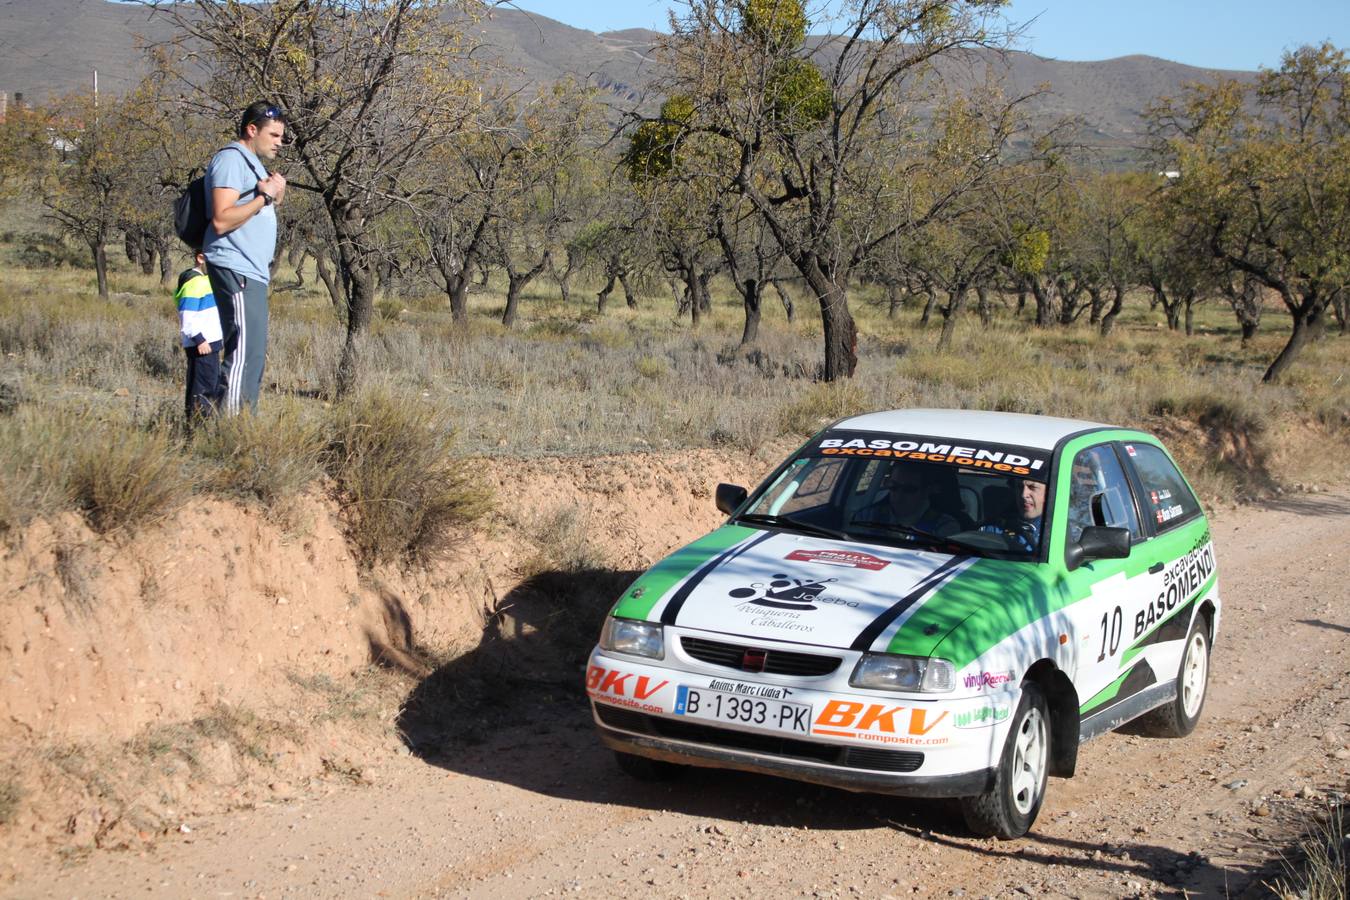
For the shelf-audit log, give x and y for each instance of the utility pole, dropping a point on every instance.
(96, 89)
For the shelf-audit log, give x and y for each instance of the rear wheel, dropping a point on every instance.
(1179, 717)
(644, 769)
(1008, 809)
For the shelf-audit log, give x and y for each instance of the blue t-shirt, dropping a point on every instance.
(249, 248)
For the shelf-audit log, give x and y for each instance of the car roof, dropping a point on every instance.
(1042, 432)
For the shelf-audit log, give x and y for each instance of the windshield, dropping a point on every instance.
(908, 490)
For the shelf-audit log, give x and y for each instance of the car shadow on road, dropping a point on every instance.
(1185, 874)
(513, 710)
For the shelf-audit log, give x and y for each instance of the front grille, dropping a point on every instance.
(767, 744)
(776, 662)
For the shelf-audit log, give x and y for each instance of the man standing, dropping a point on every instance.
(240, 240)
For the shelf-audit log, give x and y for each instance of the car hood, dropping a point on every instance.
(777, 586)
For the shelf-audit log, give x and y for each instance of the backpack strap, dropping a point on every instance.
(247, 161)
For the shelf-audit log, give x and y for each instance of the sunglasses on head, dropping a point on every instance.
(271, 112)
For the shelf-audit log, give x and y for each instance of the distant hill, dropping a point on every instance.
(51, 46)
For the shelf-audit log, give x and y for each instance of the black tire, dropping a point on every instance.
(1008, 809)
(1179, 717)
(644, 769)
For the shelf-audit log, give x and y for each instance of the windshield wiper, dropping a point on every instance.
(910, 530)
(792, 524)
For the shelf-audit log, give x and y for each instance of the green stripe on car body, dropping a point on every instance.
(1105, 694)
(642, 595)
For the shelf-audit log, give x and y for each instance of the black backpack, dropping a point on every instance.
(189, 210)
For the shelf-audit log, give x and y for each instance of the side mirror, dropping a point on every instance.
(1098, 542)
(730, 497)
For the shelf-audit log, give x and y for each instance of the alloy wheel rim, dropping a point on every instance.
(1193, 676)
(1028, 762)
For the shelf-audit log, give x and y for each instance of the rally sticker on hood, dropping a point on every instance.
(771, 587)
(1021, 461)
(850, 558)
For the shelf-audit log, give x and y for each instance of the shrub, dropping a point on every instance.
(267, 457)
(120, 476)
(157, 357)
(1323, 868)
(34, 461)
(391, 457)
(564, 541)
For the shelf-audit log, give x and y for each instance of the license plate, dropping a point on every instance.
(721, 706)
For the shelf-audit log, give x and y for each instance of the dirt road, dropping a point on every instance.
(540, 809)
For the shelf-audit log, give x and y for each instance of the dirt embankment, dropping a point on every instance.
(190, 665)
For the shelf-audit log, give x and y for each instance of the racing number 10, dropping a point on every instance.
(1116, 623)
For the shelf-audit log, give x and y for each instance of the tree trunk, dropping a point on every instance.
(784, 296)
(326, 276)
(629, 297)
(983, 305)
(359, 279)
(166, 275)
(705, 295)
(928, 305)
(1098, 304)
(956, 299)
(1189, 303)
(457, 288)
(841, 334)
(99, 249)
(1303, 322)
(752, 294)
(604, 293)
(894, 299)
(1117, 304)
(515, 284)
(1045, 302)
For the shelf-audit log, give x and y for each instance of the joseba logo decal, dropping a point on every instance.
(783, 592)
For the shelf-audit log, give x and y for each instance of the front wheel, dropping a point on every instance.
(1179, 717)
(1008, 809)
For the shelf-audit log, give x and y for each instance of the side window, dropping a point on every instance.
(1167, 499)
(806, 484)
(1099, 493)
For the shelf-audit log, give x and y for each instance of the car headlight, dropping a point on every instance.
(633, 637)
(888, 672)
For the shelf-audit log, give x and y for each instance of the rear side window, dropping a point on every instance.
(1167, 500)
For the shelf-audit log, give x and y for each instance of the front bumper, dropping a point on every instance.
(858, 740)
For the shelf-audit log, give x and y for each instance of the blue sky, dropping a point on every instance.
(1236, 34)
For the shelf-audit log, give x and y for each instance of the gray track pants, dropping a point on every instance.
(242, 302)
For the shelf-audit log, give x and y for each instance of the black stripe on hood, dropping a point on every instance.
(883, 621)
(677, 601)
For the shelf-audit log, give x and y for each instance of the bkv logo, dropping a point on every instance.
(783, 592)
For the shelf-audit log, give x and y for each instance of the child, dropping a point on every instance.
(199, 327)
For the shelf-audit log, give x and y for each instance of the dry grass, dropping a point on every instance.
(268, 457)
(1320, 869)
(402, 488)
(567, 381)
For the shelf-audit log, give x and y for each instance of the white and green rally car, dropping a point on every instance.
(929, 603)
